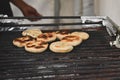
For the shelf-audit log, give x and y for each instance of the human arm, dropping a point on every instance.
(26, 9)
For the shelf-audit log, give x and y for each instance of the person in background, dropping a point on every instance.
(27, 10)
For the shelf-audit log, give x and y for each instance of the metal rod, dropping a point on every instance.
(43, 17)
(51, 24)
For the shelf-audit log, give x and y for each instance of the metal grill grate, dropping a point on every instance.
(93, 59)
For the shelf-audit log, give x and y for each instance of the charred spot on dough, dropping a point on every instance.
(62, 32)
(29, 46)
(40, 46)
(23, 39)
(50, 35)
(43, 36)
(71, 38)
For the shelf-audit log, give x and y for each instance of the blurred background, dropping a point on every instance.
(108, 8)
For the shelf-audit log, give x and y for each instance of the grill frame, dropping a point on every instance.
(86, 61)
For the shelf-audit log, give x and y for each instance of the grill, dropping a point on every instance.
(94, 59)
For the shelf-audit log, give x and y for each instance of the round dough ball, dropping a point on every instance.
(36, 46)
(32, 32)
(21, 41)
(60, 47)
(47, 37)
(72, 40)
(82, 35)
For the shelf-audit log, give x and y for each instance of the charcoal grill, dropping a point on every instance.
(94, 59)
